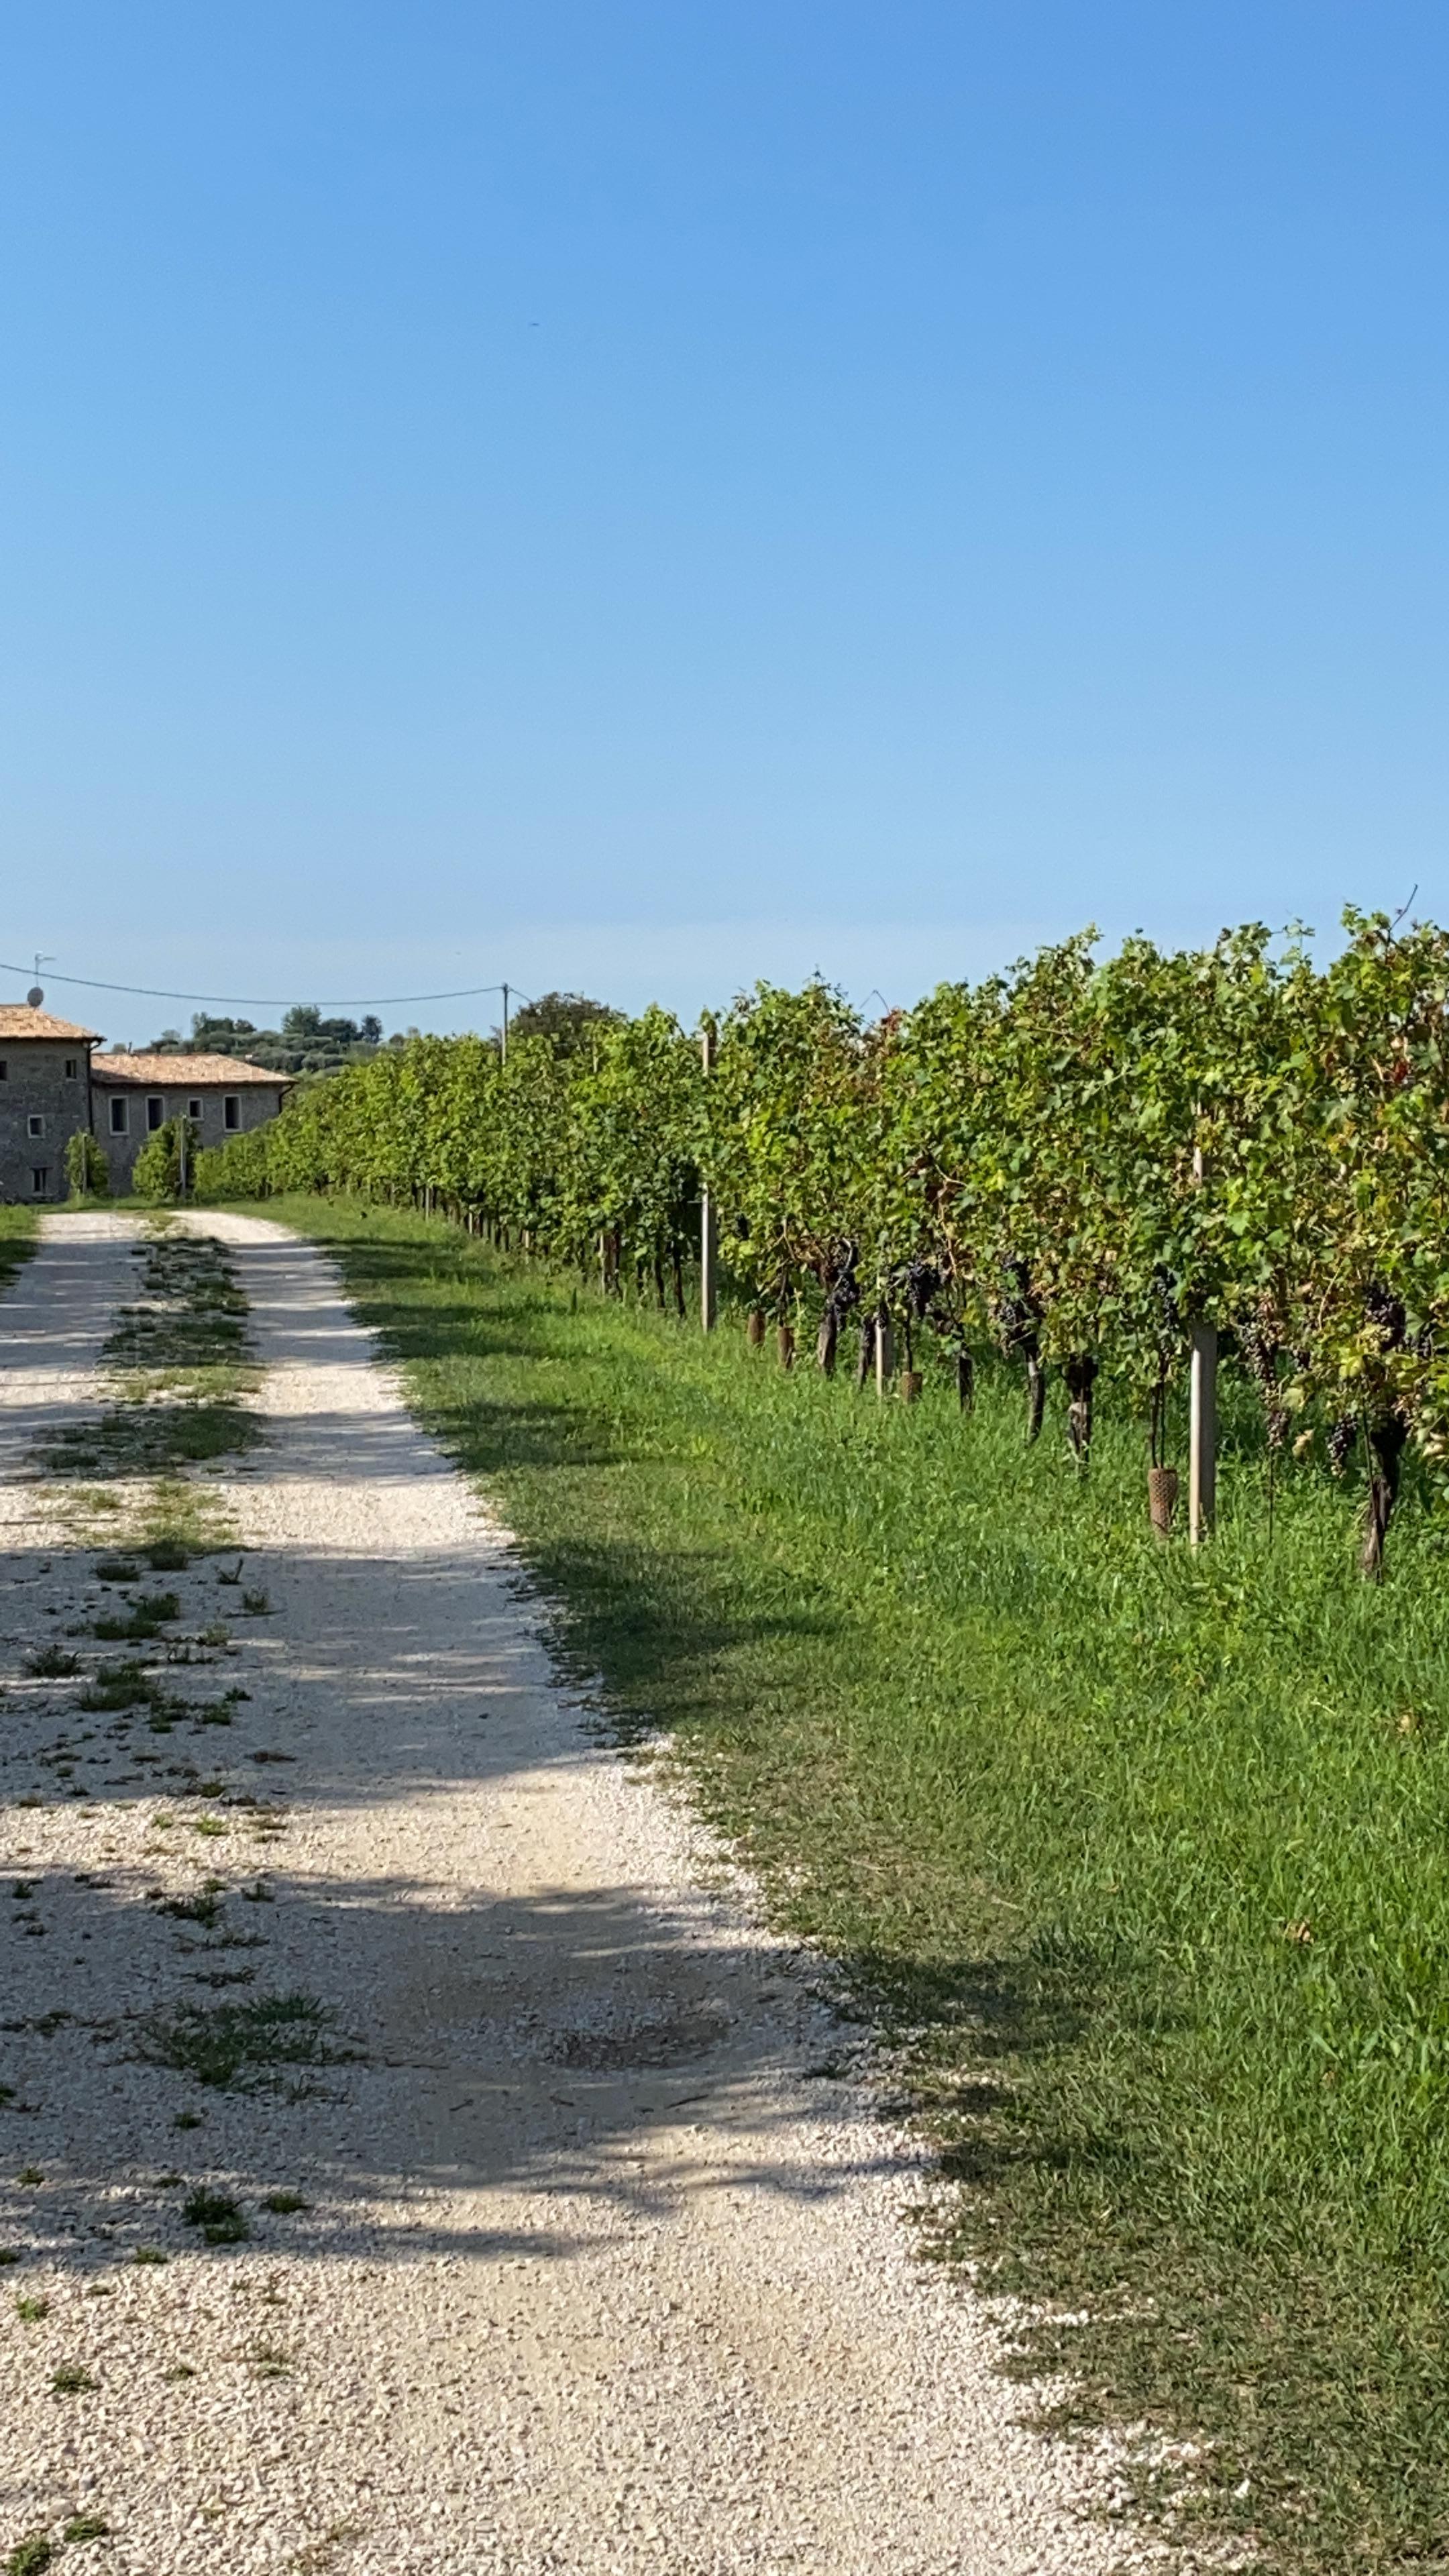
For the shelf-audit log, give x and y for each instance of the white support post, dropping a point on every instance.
(884, 1356)
(1202, 1452)
(1202, 1430)
(708, 1221)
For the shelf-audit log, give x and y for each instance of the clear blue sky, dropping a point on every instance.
(643, 496)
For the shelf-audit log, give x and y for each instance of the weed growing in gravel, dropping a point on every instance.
(203, 1908)
(52, 1664)
(145, 2254)
(72, 2379)
(167, 1555)
(143, 1437)
(31, 2310)
(285, 2204)
(221, 2219)
(9, 2254)
(257, 1605)
(189, 2120)
(117, 1569)
(85, 2526)
(30, 2177)
(125, 1684)
(30, 2557)
(148, 1615)
(242, 2047)
(268, 2363)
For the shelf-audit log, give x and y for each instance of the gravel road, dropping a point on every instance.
(600, 2263)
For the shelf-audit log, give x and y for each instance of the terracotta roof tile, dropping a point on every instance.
(182, 1072)
(18, 1020)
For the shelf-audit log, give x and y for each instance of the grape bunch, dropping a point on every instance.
(1341, 1437)
(1386, 1313)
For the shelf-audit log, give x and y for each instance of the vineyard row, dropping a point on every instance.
(1095, 1165)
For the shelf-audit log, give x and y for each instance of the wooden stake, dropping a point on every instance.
(1202, 1450)
(708, 1222)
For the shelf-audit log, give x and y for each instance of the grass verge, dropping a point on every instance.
(19, 1235)
(1142, 1857)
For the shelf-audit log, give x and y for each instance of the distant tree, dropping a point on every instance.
(564, 1018)
(305, 1042)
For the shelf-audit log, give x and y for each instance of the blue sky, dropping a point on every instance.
(642, 497)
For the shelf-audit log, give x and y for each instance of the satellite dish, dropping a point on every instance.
(35, 997)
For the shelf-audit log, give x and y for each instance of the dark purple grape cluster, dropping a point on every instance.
(843, 1295)
(1341, 1437)
(1386, 1313)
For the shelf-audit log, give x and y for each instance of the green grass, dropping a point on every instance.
(1143, 1856)
(221, 2219)
(245, 2047)
(19, 1235)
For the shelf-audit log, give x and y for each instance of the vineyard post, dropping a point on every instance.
(708, 1220)
(884, 1354)
(1202, 1434)
(1202, 1442)
(503, 1049)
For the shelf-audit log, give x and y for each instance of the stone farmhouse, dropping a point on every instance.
(52, 1082)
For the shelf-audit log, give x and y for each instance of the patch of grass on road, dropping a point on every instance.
(245, 2047)
(181, 1373)
(1146, 1855)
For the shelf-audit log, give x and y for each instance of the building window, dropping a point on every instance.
(40, 1181)
(4, 1069)
(193, 1112)
(155, 1114)
(72, 1067)
(36, 1126)
(231, 1110)
(118, 1113)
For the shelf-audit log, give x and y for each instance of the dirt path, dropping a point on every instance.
(601, 2266)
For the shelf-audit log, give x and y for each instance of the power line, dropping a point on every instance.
(266, 1001)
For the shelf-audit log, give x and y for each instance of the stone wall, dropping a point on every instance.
(257, 1102)
(36, 1085)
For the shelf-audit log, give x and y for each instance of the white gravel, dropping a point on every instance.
(596, 2275)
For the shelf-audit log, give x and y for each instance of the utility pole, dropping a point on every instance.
(708, 1220)
(505, 1025)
